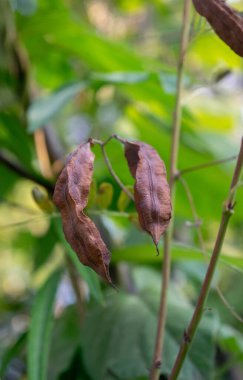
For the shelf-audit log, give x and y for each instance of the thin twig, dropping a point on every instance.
(18, 206)
(109, 166)
(159, 343)
(202, 246)
(30, 220)
(194, 212)
(193, 325)
(228, 305)
(206, 165)
(114, 175)
(15, 167)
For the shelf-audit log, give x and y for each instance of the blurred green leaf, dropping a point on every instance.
(44, 109)
(26, 7)
(131, 321)
(10, 178)
(12, 352)
(41, 328)
(168, 82)
(123, 200)
(76, 369)
(145, 253)
(120, 77)
(87, 274)
(13, 138)
(104, 195)
(231, 340)
(92, 193)
(66, 341)
(43, 246)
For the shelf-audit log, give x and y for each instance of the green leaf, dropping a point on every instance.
(168, 82)
(26, 8)
(9, 180)
(43, 110)
(131, 320)
(76, 370)
(66, 340)
(104, 195)
(123, 200)
(120, 77)
(145, 253)
(231, 340)
(43, 246)
(12, 352)
(92, 193)
(13, 137)
(87, 274)
(41, 328)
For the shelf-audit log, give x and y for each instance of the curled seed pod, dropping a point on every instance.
(151, 190)
(226, 22)
(71, 197)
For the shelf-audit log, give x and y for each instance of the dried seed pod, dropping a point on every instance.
(71, 197)
(151, 190)
(226, 22)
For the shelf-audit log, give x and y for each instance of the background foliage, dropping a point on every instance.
(70, 70)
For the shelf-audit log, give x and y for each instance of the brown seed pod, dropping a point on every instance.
(226, 22)
(151, 190)
(71, 197)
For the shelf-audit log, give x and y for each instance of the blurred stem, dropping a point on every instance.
(159, 344)
(75, 284)
(197, 224)
(197, 221)
(207, 165)
(228, 210)
(42, 153)
(18, 169)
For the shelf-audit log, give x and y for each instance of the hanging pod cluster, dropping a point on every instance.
(226, 22)
(151, 193)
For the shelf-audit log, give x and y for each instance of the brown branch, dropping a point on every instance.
(227, 212)
(22, 172)
(159, 342)
(202, 246)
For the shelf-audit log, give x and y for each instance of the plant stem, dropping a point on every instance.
(202, 245)
(14, 166)
(159, 343)
(114, 175)
(206, 165)
(108, 163)
(197, 221)
(193, 325)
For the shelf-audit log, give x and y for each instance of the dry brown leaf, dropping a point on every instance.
(151, 190)
(225, 21)
(71, 197)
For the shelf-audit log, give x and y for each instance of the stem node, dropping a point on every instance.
(186, 337)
